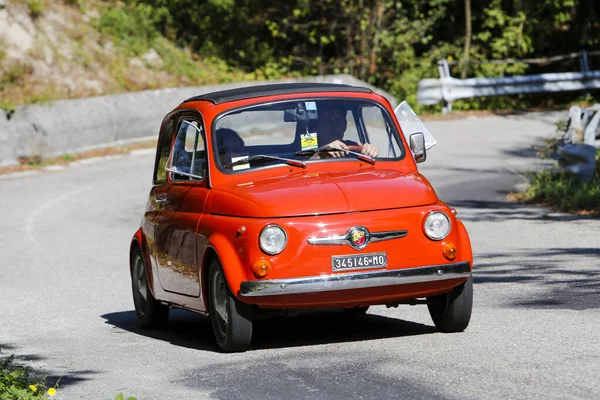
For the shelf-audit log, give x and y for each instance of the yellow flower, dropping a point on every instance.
(51, 392)
(33, 388)
(450, 58)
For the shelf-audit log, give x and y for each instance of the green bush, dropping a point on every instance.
(36, 8)
(133, 27)
(566, 192)
(17, 383)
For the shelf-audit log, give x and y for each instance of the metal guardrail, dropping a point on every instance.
(448, 89)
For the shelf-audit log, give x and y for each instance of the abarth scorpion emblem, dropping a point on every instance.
(359, 237)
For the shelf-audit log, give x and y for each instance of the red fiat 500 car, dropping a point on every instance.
(291, 197)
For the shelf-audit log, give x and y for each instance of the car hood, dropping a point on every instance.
(323, 193)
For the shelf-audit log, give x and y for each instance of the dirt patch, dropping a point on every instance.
(521, 198)
(35, 163)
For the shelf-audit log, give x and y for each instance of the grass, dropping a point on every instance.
(565, 192)
(36, 8)
(19, 383)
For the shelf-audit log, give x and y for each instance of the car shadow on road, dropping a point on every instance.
(332, 327)
(191, 330)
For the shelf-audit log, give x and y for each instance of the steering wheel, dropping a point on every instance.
(355, 147)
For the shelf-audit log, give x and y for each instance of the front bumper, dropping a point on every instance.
(359, 280)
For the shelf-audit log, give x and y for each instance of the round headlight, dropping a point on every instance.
(272, 239)
(437, 225)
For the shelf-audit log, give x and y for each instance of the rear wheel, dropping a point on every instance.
(451, 312)
(231, 319)
(150, 312)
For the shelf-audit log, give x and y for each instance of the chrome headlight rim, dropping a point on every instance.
(437, 239)
(272, 253)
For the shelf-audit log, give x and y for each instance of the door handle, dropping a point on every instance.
(161, 199)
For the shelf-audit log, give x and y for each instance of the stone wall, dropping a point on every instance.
(72, 126)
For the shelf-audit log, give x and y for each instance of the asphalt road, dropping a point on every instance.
(66, 306)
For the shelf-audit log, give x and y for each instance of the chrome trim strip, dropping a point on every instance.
(337, 239)
(347, 238)
(360, 280)
(387, 235)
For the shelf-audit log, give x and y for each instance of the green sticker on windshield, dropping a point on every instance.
(308, 141)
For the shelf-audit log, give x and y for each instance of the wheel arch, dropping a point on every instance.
(464, 242)
(221, 249)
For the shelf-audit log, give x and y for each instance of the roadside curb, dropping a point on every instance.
(34, 170)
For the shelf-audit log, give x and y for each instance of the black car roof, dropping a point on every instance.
(249, 92)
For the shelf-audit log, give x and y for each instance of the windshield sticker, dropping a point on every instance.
(308, 141)
(240, 166)
(311, 106)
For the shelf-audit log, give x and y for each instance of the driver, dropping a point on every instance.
(331, 127)
(229, 145)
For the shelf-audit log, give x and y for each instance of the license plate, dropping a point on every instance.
(358, 261)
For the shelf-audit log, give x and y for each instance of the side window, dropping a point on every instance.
(188, 156)
(164, 150)
(351, 130)
(379, 133)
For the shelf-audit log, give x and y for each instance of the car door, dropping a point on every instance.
(182, 205)
(160, 187)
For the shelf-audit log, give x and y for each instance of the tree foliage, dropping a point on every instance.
(392, 44)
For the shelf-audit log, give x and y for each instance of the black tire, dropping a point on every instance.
(451, 312)
(356, 310)
(150, 312)
(231, 319)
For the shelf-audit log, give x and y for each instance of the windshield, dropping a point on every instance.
(306, 131)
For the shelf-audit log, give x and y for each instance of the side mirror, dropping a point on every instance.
(417, 146)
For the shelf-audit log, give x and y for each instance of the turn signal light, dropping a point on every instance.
(450, 251)
(261, 268)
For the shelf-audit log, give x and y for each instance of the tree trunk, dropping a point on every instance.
(465, 65)
(378, 21)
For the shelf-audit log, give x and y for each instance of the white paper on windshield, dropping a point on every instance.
(410, 123)
(240, 166)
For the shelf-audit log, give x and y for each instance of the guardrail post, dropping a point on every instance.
(444, 68)
(584, 62)
(444, 71)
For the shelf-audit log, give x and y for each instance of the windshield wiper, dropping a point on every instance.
(264, 157)
(328, 149)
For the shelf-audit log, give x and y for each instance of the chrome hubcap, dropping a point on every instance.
(219, 297)
(141, 286)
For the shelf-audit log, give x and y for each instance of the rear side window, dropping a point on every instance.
(164, 149)
(188, 158)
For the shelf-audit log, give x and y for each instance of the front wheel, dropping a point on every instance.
(231, 319)
(451, 312)
(150, 312)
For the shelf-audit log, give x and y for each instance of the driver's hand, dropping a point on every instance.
(369, 150)
(340, 145)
